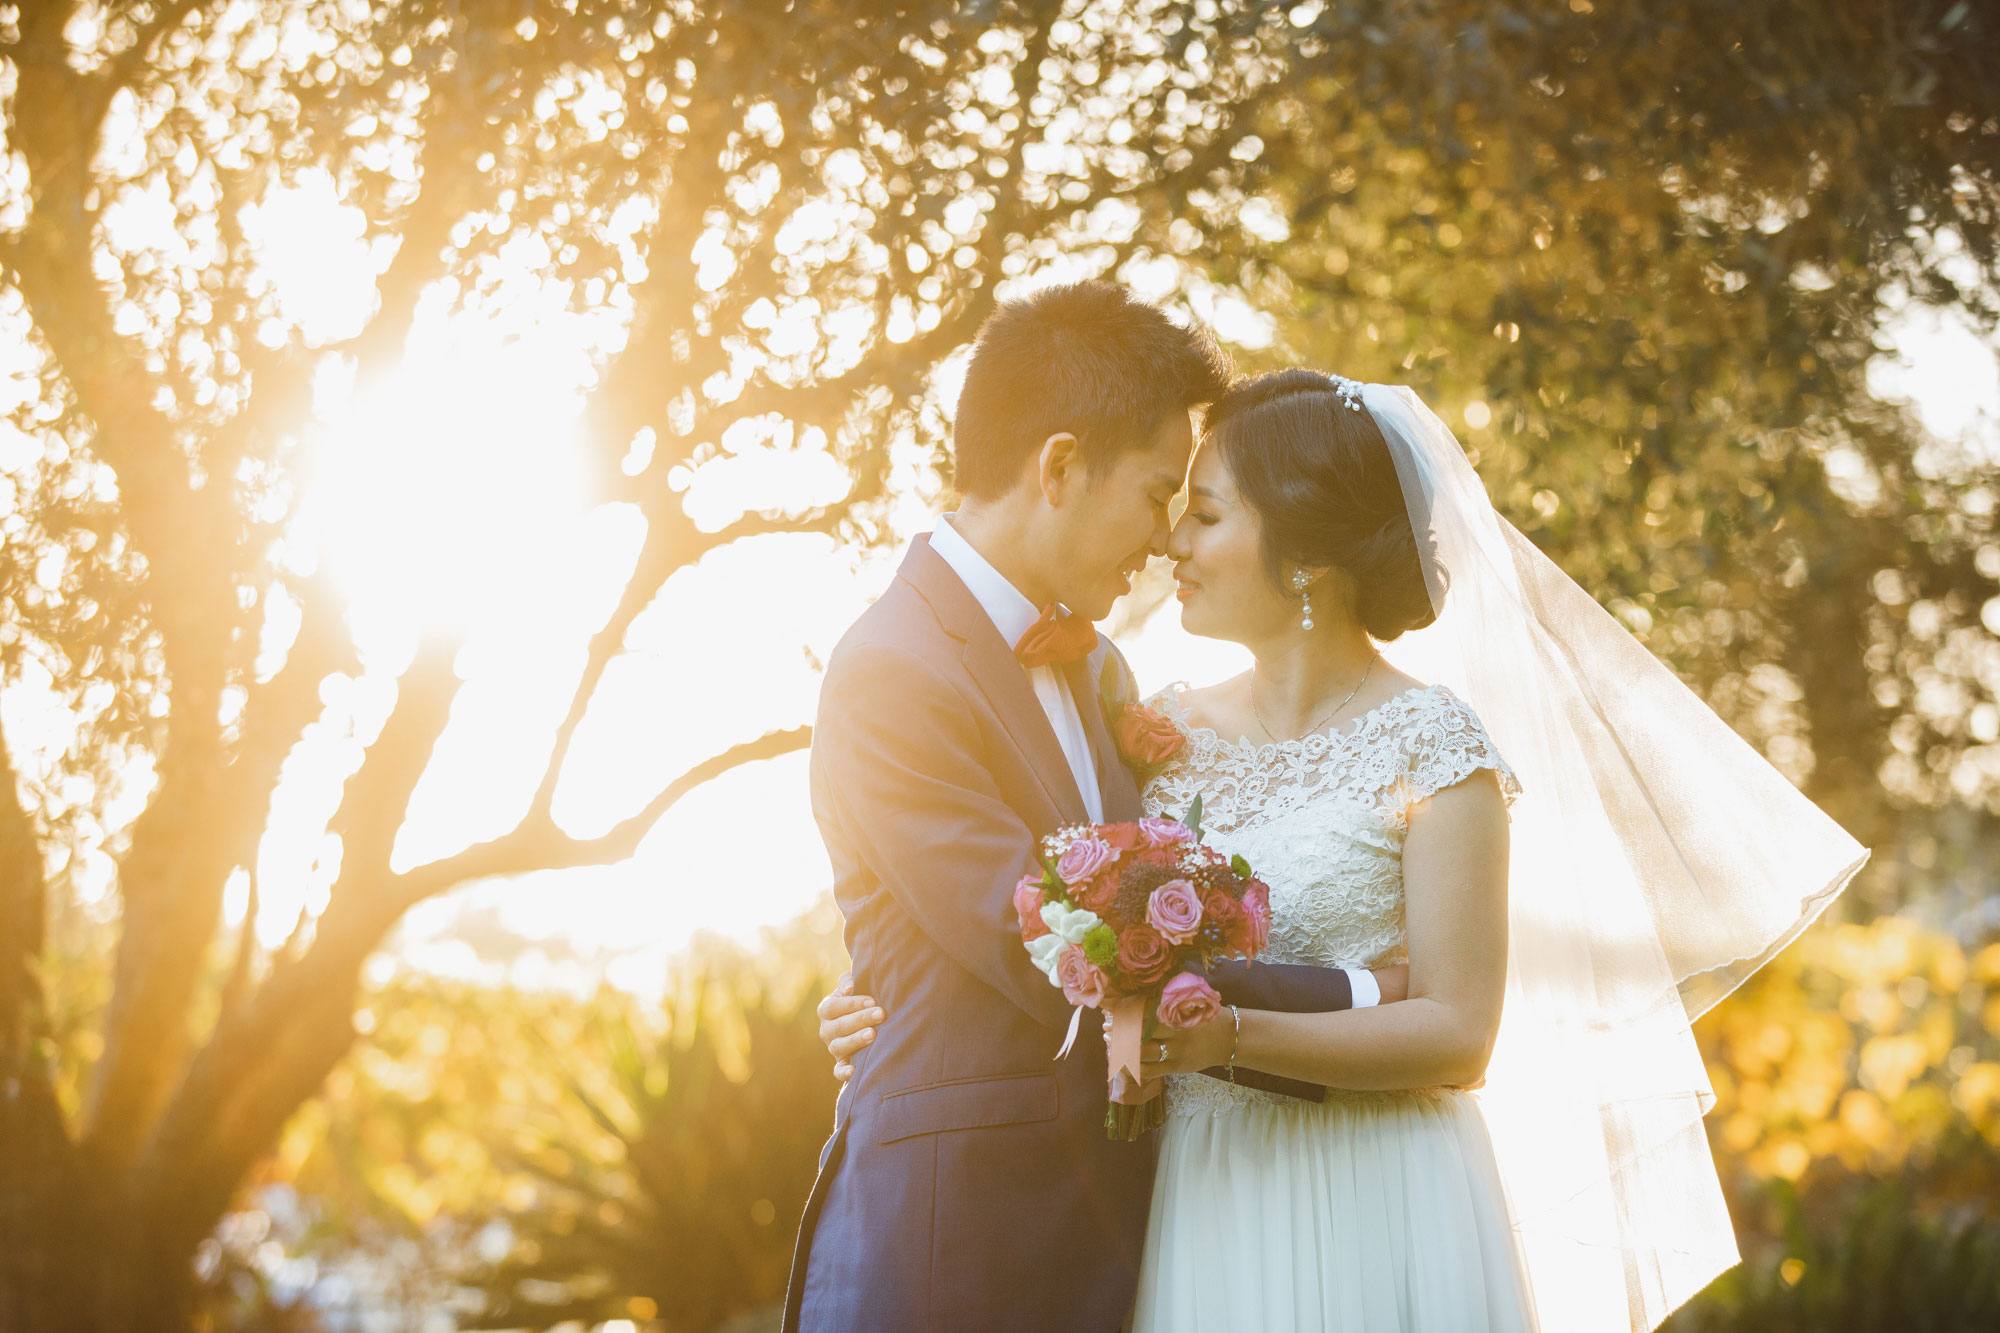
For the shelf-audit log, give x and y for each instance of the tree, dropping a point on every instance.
(145, 557)
(1635, 239)
(1644, 259)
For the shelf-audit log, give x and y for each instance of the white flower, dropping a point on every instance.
(1044, 952)
(1070, 924)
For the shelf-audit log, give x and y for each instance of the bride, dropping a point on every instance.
(1552, 828)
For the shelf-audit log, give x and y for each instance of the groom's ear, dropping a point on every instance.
(1059, 468)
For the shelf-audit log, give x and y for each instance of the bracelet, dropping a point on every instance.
(1235, 1041)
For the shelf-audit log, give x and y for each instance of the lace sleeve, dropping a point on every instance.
(1446, 745)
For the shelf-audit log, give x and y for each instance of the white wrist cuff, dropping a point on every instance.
(1367, 994)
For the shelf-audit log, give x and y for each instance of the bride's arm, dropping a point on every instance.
(847, 1021)
(1455, 911)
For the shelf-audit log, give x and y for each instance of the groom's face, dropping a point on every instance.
(1119, 521)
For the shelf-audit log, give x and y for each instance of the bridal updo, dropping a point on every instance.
(1320, 477)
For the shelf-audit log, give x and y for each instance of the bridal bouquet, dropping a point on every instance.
(1125, 918)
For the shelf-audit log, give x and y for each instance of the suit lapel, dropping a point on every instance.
(1115, 787)
(991, 663)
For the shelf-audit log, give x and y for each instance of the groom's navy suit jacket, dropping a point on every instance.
(968, 1183)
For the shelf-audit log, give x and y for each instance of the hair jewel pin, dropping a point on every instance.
(1348, 391)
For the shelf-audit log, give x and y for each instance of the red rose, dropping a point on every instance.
(1096, 893)
(1028, 906)
(1143, 956)
(1147, 738)
(1229, 916)
(1124, 837)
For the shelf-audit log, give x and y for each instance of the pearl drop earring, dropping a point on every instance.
(1302, 585)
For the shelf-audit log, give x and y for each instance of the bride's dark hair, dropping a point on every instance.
(1320, 477)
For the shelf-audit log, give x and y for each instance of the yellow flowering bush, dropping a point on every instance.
(1870, 1045)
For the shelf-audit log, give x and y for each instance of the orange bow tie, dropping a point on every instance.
(1057, 638)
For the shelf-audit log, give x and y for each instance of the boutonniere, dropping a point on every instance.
(1146, 737)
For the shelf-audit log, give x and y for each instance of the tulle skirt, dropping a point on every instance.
(1367, 1213)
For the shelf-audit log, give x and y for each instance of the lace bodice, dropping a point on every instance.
(1321, 820)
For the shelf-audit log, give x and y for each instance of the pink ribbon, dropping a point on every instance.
(1128, 1020)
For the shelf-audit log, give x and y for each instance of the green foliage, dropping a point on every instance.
(1876, 1263)
(606, 1159)
(1643, 258)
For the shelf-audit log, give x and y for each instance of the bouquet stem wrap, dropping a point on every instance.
(1128, 1020)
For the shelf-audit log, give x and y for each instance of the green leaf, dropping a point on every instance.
(1193, 817)
(1240, 866)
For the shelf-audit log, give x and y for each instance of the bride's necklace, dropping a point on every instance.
(1330, 713)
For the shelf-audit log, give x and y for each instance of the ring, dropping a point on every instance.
(1163, 1053)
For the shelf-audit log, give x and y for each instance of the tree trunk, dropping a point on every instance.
(75, 1255)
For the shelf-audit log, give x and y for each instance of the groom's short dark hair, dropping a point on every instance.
(1089, 358)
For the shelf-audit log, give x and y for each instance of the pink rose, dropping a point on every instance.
(1188, 1002)
(1164, 832)
(1142, 955)
(1028, 902)
(1257, 907)
(1083, 982)
(1175, 911)
(1084, 858)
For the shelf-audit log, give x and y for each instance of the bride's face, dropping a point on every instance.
(1225, 589)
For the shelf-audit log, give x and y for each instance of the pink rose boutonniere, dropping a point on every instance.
(1147, 737)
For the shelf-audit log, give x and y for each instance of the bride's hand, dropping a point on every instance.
(1166, 1050)
(847, 1024)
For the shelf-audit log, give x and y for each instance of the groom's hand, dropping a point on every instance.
(847, 1024)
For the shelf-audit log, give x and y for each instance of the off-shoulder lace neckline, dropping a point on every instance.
(1177, 710)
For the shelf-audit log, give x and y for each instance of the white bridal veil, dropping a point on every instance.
(1657, 861)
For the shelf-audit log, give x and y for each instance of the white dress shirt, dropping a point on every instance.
(1013, 615)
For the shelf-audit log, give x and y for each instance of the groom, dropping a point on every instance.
(968, 1183)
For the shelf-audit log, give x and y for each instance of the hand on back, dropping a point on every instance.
(847, 1024)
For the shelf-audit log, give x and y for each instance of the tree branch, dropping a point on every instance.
(541, 846)
(672, 544)
(378, 797)
(262, 1061)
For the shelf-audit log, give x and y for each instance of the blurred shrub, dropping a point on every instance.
(679, 1198)
(1870, 1048)
(592, 1158)
(1881, 1262)
(1857, 1128)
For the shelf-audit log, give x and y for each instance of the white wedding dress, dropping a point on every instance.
(1371, 1212)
